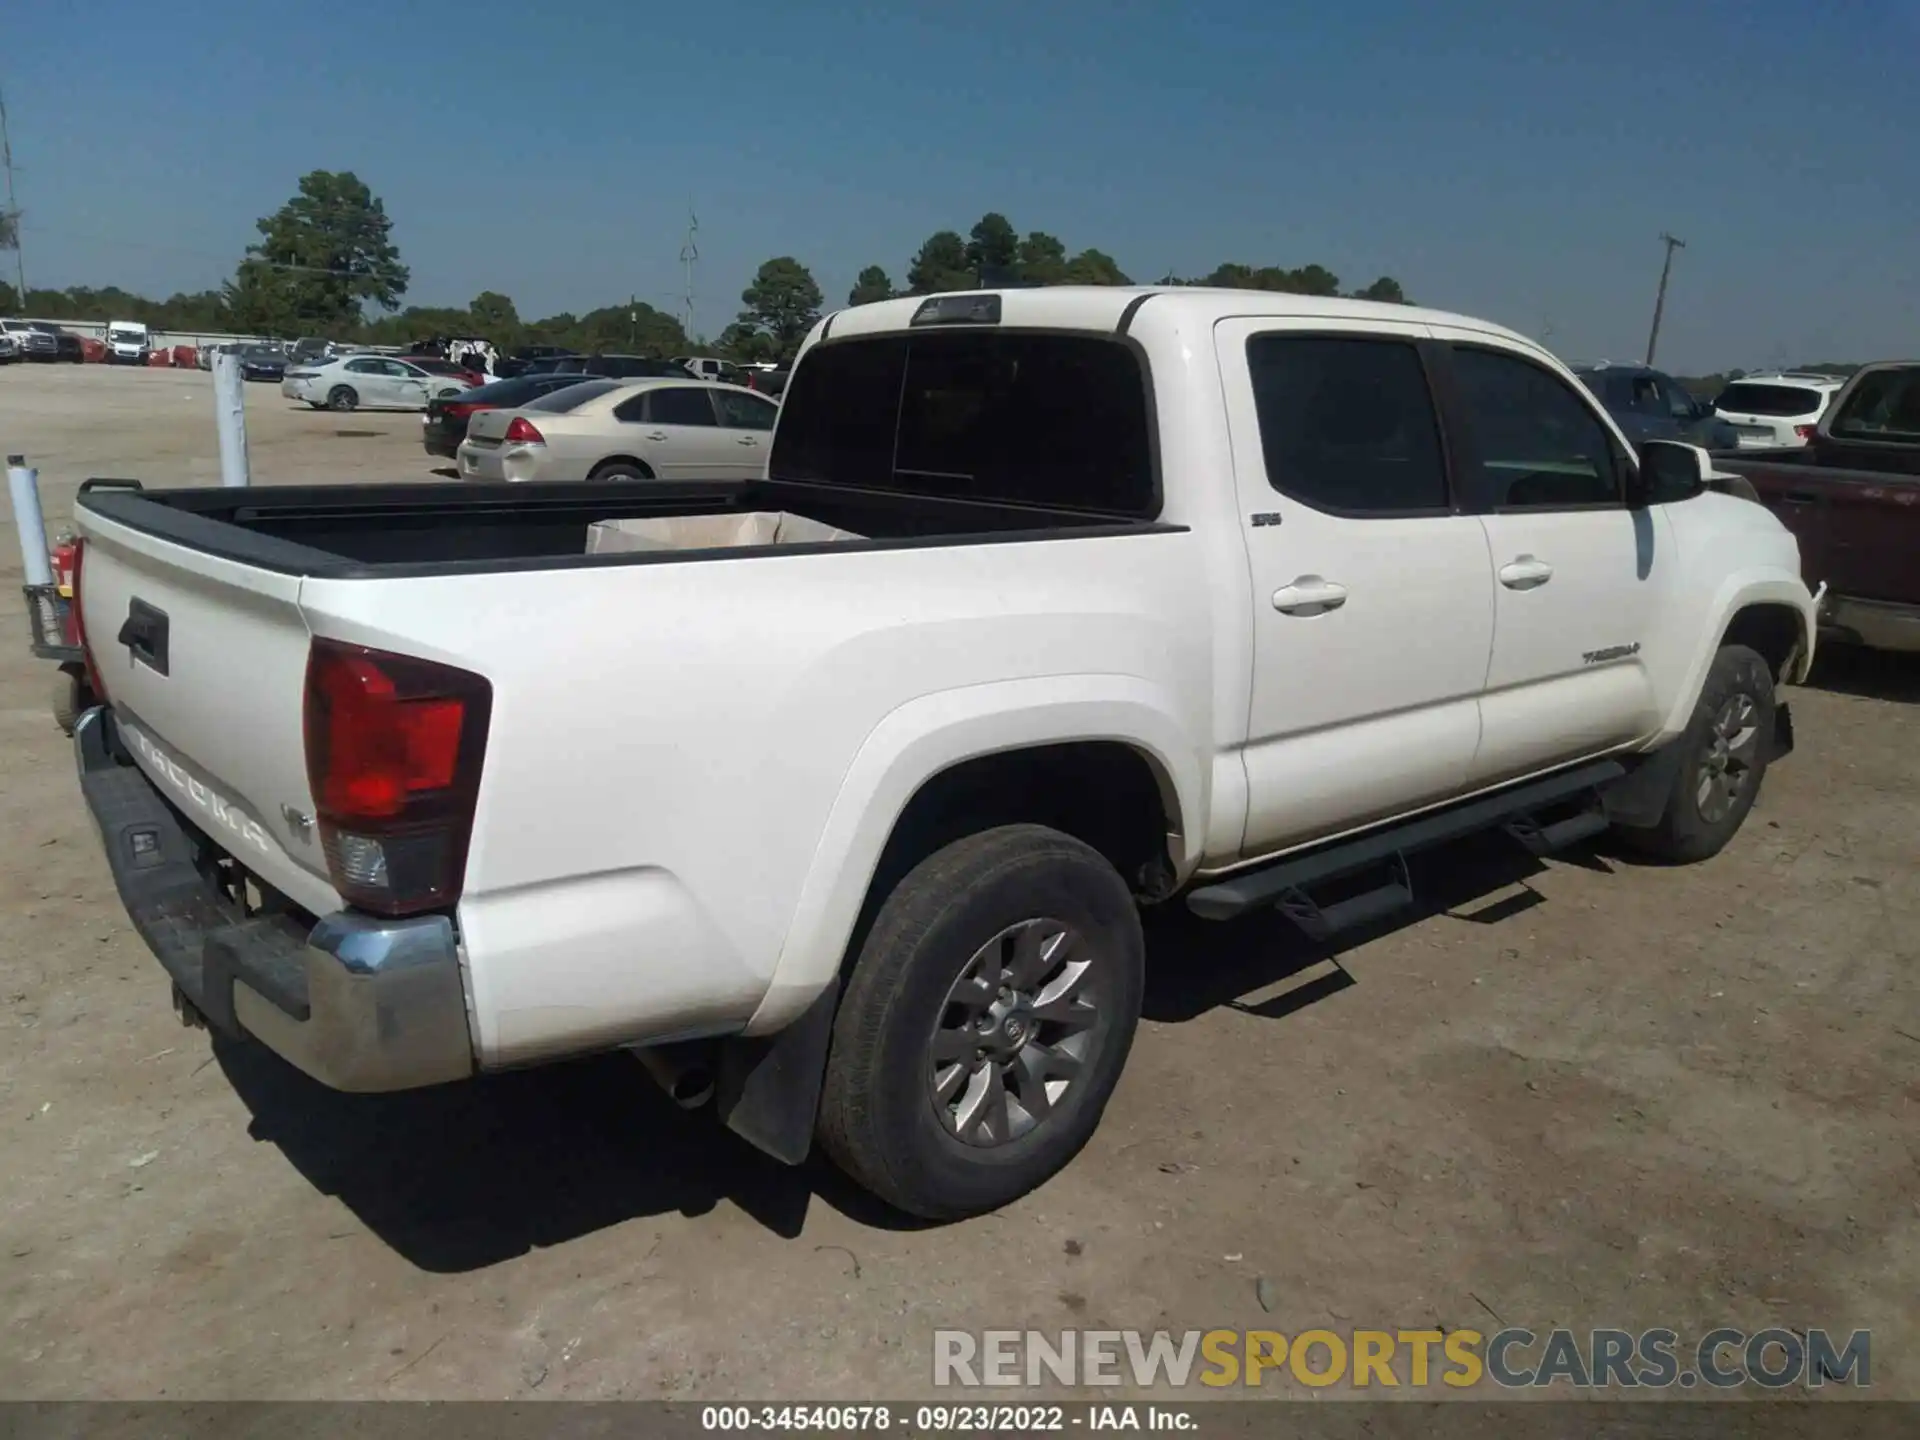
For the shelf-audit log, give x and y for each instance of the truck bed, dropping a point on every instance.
(354, 531)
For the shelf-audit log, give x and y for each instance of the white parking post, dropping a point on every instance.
(24, 484)
(230, 418)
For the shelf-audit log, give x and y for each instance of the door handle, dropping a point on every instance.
(1525, 573)
(656, 435)
(746, 440)
(1309, 595)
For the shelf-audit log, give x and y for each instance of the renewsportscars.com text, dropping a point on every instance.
(1513, 1358)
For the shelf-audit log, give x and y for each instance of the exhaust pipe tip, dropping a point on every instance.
(687, 1081)
(693, 1089)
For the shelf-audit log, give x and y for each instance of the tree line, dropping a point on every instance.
(326, 264)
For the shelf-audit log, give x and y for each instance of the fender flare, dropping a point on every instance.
(933, 733)
(1738, 591)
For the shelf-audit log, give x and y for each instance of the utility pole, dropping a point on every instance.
(1660, 300)
(689, 254)
(12, 212)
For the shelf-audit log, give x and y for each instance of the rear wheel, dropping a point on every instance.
(1724, 756)
(621, 470)
(342, 397)
(985, 1022)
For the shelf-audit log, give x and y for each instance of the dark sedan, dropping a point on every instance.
(257, 362)
(623, 367)
(446, 420)
(530, 360)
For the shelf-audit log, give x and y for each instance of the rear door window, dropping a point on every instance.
(1348, 426)
(679, 405)
(1046, 418)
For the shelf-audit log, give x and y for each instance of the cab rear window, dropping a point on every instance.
(1045, 418)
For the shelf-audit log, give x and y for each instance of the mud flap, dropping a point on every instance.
(767, 1089)
(1639, 798)
(1782, 730)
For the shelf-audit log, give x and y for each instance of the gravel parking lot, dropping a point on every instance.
(1584, 1093)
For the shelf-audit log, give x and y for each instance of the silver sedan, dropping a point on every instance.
(373, 382)
(655, 429)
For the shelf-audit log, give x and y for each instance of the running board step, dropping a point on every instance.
(1394, 892)
(1558, 834)
(1255, 889)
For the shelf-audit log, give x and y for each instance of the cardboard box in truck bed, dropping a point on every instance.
(710, 532)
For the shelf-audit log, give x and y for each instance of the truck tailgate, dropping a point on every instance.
(203, 660)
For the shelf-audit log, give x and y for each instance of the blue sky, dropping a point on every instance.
(1515, 161)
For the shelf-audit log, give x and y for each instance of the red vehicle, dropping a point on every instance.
(434, 366)
(1852, 497)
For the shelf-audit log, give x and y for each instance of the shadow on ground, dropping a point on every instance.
(1871, 674)
(464, 1176)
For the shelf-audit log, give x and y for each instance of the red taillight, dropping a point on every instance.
(1804, 433)
(394, 746)
(520, 431)
(464, 407)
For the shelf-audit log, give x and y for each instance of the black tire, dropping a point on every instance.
(880, 1117)
(621, 470)
(72, 696)
(342, 397)
(1720, 773)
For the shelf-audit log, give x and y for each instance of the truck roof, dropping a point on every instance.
(1102, 307)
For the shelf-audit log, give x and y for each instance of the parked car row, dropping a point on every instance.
(38, 340)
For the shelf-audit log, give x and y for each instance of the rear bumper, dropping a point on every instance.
(437, 441)
(357, 1002)
(1877, 624)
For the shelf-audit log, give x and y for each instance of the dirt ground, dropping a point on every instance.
(1582, 1093)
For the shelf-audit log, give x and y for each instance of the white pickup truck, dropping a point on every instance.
(1143, 595)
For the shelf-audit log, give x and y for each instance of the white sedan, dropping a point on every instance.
(375, 382)
(655, 429)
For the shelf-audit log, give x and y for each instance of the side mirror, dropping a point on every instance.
(1668, 470)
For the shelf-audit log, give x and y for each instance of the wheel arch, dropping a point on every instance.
(1771, 612)
(958, 761)
(633, 460)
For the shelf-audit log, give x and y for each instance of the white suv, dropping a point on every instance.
(1775, 411)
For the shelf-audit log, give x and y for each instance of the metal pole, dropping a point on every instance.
(1660, 300)
(24, 485)
(13, 209)
(230, 418)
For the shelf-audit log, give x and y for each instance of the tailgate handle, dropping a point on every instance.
(145, 634)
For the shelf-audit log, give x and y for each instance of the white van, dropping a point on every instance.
(129, 342)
